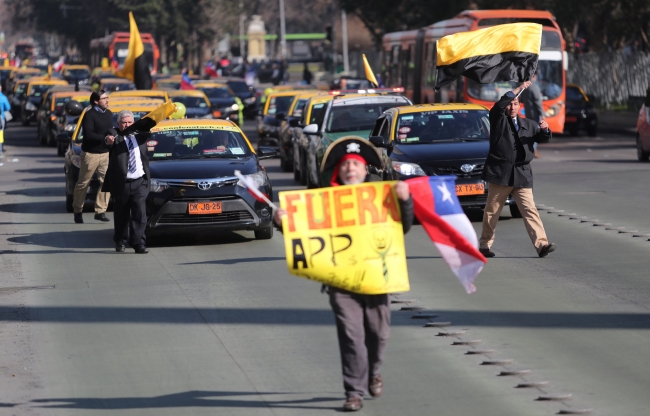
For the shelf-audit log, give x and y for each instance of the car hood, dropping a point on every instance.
(429, 153)
(201, 168)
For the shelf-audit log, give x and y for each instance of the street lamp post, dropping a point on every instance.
(283, 41)
(344, 42)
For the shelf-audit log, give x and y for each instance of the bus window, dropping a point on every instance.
(395, 77)
(430, 65)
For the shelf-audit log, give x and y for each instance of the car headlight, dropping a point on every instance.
(158, 186)
(69, 127)
(207, 116)
(554, 110)
(234, 107)
(408, 169)
(259, 179)
(250, 100)
(29, 106)
(76, 160)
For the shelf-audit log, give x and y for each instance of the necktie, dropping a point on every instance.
(129, 144)
(514, 121)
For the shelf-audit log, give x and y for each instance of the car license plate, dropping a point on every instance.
(204, 208)
(570, 119)
(470, 189)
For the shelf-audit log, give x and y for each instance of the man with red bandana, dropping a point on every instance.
(362, 321)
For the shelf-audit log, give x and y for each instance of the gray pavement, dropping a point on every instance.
(213, 323)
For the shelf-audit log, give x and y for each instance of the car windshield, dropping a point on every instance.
(299, 108)
(355, 117)
(76, 73)
(173, 85)
(20, 89)
(217, 92)
(443, 125)
(549, 79)
(280, 104)
(190, 102)
(197, 142)
(60, 103)
(238, 86)
(574, 94)
(38, 90)
(5, 73)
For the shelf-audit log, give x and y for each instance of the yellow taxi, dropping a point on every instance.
(288, 123)
(196, 103)
(141, 93)
(51, 119)
(33, 98)
(193, 181)
(438, 139)
(313, 108)
(17, 74)
(274, 110)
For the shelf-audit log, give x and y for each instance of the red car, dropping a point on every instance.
(643, 131)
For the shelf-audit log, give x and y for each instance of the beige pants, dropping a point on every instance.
(89, 163)
(497, 196)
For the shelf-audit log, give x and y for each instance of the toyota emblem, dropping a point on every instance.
(204, 186)
(467, 168)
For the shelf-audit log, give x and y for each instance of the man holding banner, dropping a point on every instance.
(361, 306)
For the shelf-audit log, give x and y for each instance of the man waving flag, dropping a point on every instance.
(437, 208)
(136, 67)
(499, 53)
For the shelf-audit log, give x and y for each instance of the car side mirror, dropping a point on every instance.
(379, 141)
(311, 129)
(63, 138)
(266, 153)
(280, 116)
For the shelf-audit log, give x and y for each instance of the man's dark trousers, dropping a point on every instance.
(363, 325)
(129, 213)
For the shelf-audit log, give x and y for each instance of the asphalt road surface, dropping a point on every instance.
(212, 323)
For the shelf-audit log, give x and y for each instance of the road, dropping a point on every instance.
(212, 323)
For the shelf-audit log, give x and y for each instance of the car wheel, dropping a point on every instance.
(641, 154)
(592, 131)
(264, 233)
(514, 211)
(68, 203)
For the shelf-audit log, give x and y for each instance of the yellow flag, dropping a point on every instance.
(349, 237)
(370, 76)
(136, 67)
(162, 112)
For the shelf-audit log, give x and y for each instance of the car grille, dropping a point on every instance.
(453, 170)
(224, 217)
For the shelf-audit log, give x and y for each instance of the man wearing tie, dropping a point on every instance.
(507, 170)
(128, 180)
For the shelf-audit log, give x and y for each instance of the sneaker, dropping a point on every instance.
(376, 386)
(352, 404)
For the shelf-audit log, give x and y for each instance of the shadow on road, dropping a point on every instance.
(50, 207)
(186, 399)
(43, 171)
(238, 261)
(87, 239)
(60, 178)
(38, 192)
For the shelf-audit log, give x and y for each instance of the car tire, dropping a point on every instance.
(68, 203)
(592, 131)
(641, 154)
(514, 211)
(265, 233)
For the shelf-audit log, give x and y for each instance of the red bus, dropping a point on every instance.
(116, 45)
(408, 59)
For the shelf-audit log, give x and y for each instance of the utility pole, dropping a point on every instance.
(283, 41)
(344, 42)
(242, 22)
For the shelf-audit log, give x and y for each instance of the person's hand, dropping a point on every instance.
(110, 140)
(543, 125)
(522, 87)
(402, 190)
(277, 216)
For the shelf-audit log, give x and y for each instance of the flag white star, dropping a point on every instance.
(446, 195)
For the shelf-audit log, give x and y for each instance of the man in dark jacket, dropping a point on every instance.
(362, 321)
(507, 170)
(94, 156)
(128, 180)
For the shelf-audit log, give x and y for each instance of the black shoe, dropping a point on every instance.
(549, 248)
(100, 216)
(487, 252)
(141, 249)
(120, 248)
(78, 218)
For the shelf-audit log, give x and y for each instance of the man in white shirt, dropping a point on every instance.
(128, 180)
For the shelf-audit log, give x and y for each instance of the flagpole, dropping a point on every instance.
(255, 191)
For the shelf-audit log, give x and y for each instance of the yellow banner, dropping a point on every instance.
(349, 237)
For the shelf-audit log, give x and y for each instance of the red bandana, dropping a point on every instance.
(335, 174)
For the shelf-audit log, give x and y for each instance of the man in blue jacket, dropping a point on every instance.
(507, 170)
(4, 106)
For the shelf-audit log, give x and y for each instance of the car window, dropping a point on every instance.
(193, 102)
(59, 104)
(384, 131)
(220, 92)
(299, 108)
(316, 111)
(442, 125)
(196, 142)
(377, 128)
(238, 86)
(280, 104)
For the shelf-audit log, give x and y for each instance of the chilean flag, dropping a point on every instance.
(186, 83)
(58, 65)
(437, 207)
(210, 70)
